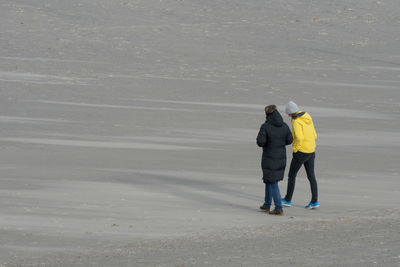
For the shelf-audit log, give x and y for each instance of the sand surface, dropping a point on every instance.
(128, 131)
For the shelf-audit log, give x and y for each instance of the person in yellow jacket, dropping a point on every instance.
(304, 136)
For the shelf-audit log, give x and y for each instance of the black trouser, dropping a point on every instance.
(300, 158)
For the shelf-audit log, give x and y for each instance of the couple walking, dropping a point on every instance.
(273, 136)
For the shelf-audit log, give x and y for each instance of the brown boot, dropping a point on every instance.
(265, 208)
(276, 212)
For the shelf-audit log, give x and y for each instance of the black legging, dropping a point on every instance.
(300, 158)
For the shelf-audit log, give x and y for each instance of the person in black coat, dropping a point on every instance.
(273, 137)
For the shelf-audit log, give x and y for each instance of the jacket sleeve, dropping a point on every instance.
(262, 136)
(298, 136)
(289, 137)
(315, 133)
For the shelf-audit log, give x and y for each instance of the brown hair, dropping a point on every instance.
(296, 115)
(269, 109)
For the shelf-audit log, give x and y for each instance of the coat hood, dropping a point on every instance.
(304, 117)
(275, 118)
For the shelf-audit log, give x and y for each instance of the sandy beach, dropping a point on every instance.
(128, 132)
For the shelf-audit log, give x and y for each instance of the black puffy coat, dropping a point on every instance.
(274, 135)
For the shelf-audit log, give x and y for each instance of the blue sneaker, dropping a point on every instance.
(312, 205)
(286, 203)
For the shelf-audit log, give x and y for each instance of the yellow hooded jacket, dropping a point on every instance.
(304, 133)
